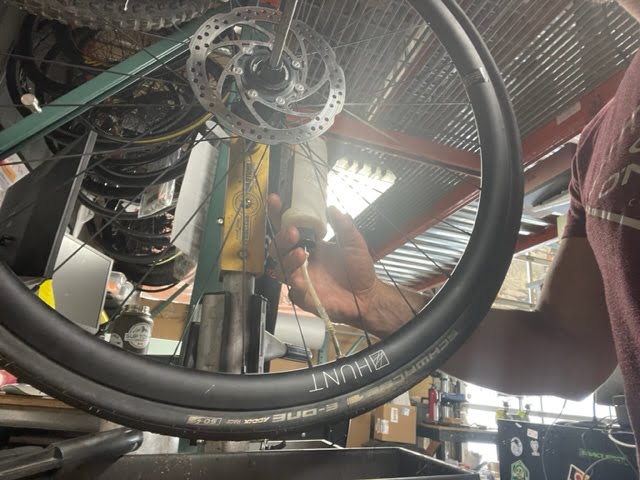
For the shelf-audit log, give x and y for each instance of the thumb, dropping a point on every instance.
(347, 234)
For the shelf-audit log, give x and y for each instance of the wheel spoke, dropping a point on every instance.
(198, 295)
(397, 229)
(124, 149)
(361, 320)
(280, 262)
(88, 68)
(123, 209)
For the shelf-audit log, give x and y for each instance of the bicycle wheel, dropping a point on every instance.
(53, 354)
(140, 15)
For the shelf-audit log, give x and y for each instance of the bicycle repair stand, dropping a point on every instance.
(102, 456)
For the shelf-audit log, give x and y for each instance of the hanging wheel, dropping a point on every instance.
(295, 102)
(128, 15)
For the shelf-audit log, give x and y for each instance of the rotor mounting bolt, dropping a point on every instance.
(296, 64)
(247, 50)
(252, 93)
(237, 70)
(280, 101)
(299, 88)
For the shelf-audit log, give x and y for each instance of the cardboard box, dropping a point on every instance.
(428, 446)
(395, 423)
(360, 430)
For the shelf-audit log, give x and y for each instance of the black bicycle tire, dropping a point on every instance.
(143, 179)
(186, 117)
(141, 15)
(105, 212)
(144, 260)
(498, 214)
(163, 239)
(28, 60)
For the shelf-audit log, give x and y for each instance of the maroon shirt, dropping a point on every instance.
(605, 207)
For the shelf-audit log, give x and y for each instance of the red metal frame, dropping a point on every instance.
(450, 203)
(350, 130)
(567, 125)
(270, 3)
(535, 146)
(457, 198)
(549, 168)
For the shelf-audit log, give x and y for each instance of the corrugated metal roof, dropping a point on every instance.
(437, 251)
(399, 77)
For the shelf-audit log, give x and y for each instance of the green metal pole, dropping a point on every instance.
(99, 88)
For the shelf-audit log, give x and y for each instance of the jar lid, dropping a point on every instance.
(136, 309)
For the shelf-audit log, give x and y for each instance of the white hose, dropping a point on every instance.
(618, 442)
(322, 313)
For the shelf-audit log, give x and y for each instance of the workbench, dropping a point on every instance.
(457, 435)
(44, 413)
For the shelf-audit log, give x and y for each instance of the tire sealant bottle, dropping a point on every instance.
(308, 213)
(308, 210)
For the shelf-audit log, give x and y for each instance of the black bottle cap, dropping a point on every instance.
(307, 238)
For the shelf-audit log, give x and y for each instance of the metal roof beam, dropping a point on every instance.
(357, 132)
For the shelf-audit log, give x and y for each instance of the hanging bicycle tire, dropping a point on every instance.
(41, 346)
(142, 15)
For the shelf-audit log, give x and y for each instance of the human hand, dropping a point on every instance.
(342, 273)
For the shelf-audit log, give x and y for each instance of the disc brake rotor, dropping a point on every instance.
(230, 74)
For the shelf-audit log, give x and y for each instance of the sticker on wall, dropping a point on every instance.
(535, 446)
(519, 471)
(516, 446)
(576, 474)
(532, 433)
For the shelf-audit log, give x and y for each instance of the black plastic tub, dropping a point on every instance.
(314, 464)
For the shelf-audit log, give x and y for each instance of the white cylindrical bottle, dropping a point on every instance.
(308, 211)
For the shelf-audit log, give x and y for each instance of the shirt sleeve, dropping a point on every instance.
(577, 218)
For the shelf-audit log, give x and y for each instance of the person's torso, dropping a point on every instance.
(610, 193)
